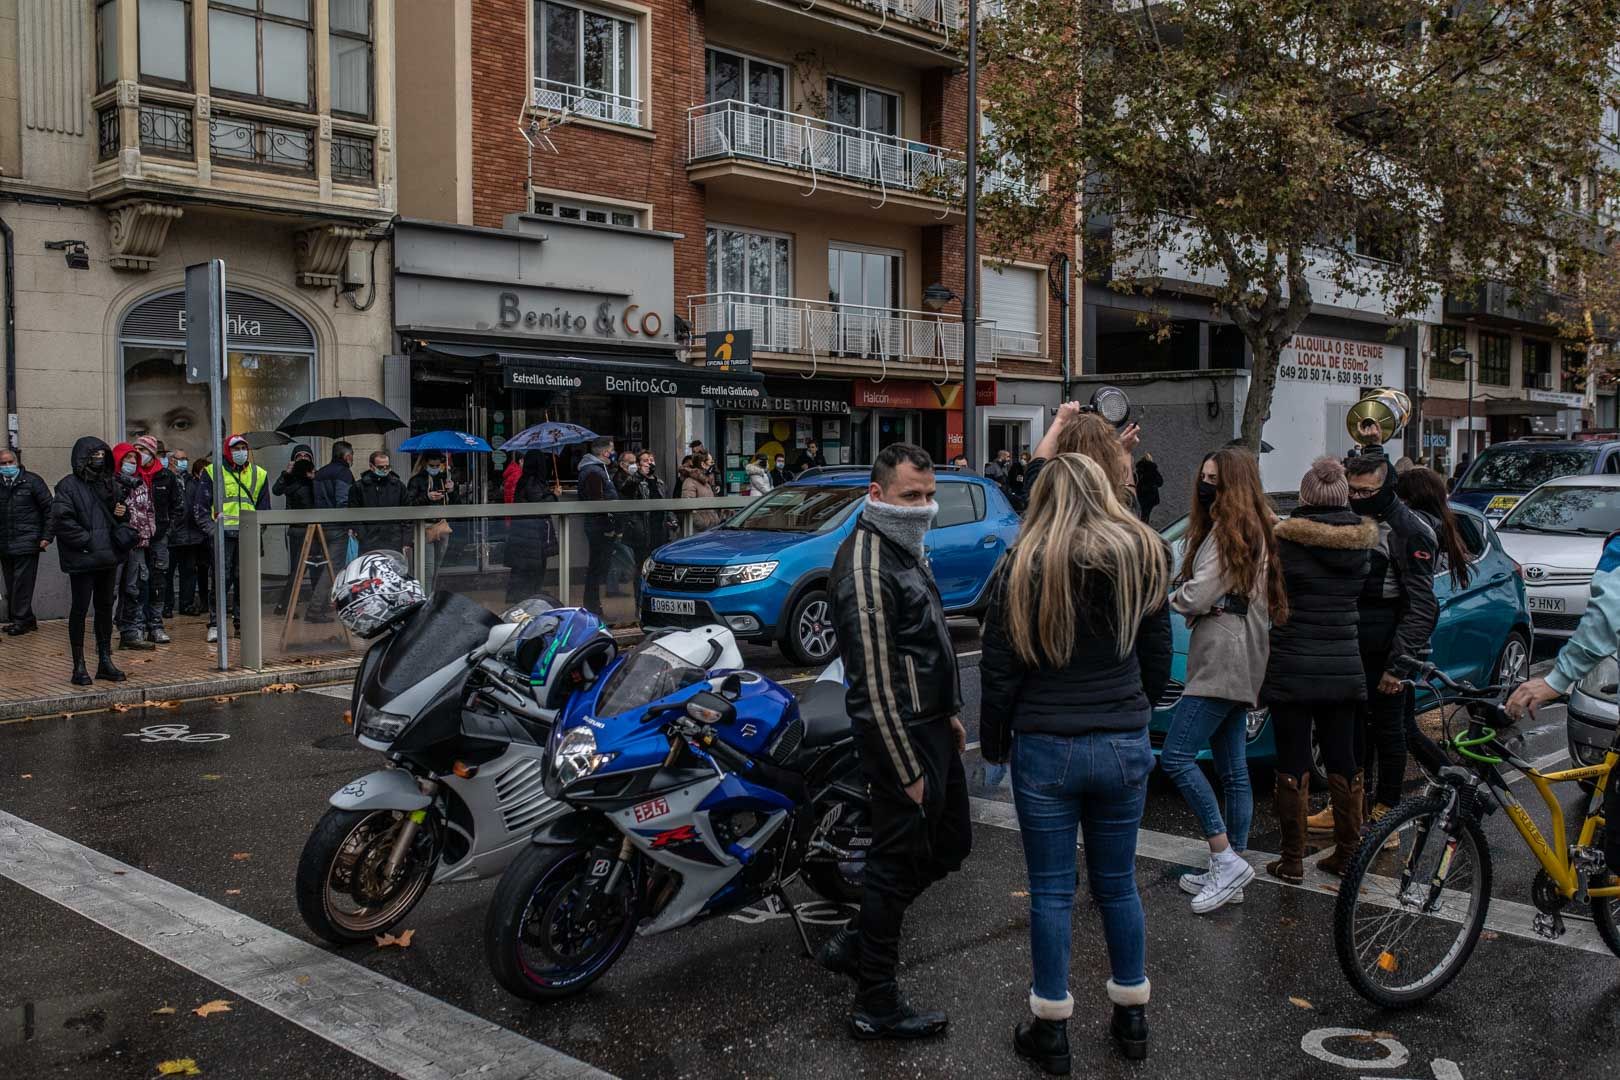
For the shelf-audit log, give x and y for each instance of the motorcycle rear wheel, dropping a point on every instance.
(542, 940)
(340, 894)
(842, 882)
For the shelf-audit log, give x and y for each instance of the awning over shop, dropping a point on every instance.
(637, 376)
(1519, 407)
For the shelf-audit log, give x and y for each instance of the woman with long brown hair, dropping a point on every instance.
(1076, 647)
(1075, 431)
(1424, 490)
(1230, 590)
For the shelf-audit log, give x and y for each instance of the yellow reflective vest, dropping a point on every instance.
(242, 488)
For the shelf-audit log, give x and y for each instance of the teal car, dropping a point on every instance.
(1483, 635)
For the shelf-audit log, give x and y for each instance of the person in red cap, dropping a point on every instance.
(244, 484)
(168, 507)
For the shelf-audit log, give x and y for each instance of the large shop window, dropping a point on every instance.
(261, 49)
(349, 44)
(1011, 295)
(271, 353)
(1495, 359)
(585, 62)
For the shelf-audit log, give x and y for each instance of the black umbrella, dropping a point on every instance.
(338, 417)
(258, 440)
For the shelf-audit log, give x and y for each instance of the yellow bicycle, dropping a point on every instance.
(1408, 917)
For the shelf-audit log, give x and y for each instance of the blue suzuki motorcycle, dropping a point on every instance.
(692, 793)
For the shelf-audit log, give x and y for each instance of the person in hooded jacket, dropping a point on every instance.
(296, 485)
(88, 518)
(1314, 678)
(759, 477)
(1148, 482)
(136, 587)
(168, 507)
(432, 485)
(696, 483)
(530, 539)
(25, 531)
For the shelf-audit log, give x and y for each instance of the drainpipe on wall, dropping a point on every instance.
(11, 333)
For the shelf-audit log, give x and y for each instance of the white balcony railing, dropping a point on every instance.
(735, 129)
(1018, 342)
(554, 96)
(822, 329)
(941, 16)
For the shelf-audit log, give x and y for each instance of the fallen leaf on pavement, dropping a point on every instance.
(1301, 1003)
(179, 1067)
(167, 1010)
(27, 776)
(302, 980)
(280, 688)
(1018, 892)
(223, 699)
(403, 941)
(119, 706)
(120, 873)
(169, 704)
(212, 776)
(233, 892)
(218, 1005)
(241, 856)
(1489, 935)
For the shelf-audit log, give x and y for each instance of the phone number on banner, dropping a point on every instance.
(1295, 373)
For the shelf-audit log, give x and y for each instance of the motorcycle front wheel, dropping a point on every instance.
(550, 931)
(342, 891)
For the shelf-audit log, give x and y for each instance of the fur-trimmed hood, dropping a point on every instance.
(1313, 532)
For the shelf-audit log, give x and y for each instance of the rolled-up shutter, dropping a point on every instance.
(1011, 296)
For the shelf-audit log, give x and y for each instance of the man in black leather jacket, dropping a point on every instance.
(1397, 610)
(904, 699)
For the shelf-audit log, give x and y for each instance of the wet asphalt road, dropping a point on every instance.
(1236, 994)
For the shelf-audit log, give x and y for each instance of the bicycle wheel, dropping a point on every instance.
(1606, 909)
(1396, 946)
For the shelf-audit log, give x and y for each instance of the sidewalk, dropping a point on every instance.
(35, 669)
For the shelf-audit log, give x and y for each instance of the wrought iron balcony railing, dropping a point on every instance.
(825, 330)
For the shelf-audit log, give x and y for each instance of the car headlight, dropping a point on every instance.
(746, 573)
(647, 567)
(1601, 681)
(376, 724)
(577, 756)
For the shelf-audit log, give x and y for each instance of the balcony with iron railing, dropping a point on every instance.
(917, 33)
(849, 335)
(732, 146)
(606, 106)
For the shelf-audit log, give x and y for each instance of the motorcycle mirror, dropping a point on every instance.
(711, 709)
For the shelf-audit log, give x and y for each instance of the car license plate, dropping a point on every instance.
(667, 606)
(1545, 603)
(1501, 504)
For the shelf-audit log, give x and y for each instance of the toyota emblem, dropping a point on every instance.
(1534, 573)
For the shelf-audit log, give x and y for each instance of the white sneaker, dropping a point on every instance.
(1193, 884)
(213, 633)
(1223, 880)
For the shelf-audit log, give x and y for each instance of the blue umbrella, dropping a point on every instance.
(550, 436)
(451, 442)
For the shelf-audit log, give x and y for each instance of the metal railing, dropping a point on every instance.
(940, 16)
(736, 129)
(554, 96)
(250, 577)
(1018, 342)
(821, 328)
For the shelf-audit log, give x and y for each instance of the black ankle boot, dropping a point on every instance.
(81, 677)
(881, 1013)
(1129, 1028)
(841, 955)
(105, 669)
(1045, 1042)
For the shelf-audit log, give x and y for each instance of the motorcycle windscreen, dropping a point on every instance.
(645, 676)
(446, 628)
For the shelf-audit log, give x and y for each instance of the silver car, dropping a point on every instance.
(1556, 534)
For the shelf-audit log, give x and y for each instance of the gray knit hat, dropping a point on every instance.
(1324, 484)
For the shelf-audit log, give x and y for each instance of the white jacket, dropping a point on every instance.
(759, 481)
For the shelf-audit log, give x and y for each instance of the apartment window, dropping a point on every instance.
(1537, 362)
(733, 77)
(1495, 359)
(261, 49)
(1011, 295)
(862, 107)
(106, 43)
(1443, 340)
(595, 213)
(585, 61)
(746, 262)
(349, 45)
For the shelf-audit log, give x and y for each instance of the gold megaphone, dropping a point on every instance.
(1383, 406)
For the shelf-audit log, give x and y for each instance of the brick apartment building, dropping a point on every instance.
(610, 180)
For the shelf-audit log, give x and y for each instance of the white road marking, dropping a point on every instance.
(341, 691)
(1503, 917)
(366, 1014)
(1315, 1042)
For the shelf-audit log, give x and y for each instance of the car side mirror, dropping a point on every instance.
(711, 709)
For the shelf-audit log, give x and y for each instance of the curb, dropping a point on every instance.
(190, 688)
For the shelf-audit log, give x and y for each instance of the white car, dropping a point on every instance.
(1556, 534)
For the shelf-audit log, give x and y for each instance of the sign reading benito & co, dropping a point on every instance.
(603, 319)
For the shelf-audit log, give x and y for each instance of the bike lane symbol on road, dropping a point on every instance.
(1394, 1056)
(157, 733)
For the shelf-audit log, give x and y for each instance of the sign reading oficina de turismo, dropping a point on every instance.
(1310, 358)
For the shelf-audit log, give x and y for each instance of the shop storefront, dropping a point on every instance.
(783, 420)
(927, 414)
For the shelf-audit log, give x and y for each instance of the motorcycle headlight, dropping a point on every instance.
(370, 723)
(577, 756)
(746, 573)
(1601, 682)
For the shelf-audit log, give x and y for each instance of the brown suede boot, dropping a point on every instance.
(1346, 794)
(1293, 795)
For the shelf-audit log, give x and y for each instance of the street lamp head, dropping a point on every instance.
(1460, 356)
(936, 296)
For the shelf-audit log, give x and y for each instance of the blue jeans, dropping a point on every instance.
(1222, 726)
(1095, 783)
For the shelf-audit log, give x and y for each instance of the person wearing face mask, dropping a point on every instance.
(661, 525)
(25, 531)
(432, 485)
(779, 472)
(187, 558)
(1396, 615)
(89, 520)
(601, 530)
(243, 484)
(629, 482)
(136, 583)
(296, 485)
(759, 480)
(904, 700)
(168, 507)
(379, 487)
(1230, 590)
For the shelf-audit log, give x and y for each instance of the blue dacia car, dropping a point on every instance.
(1483, 634)
(764, 572)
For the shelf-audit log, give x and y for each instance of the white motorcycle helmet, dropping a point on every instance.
(374, 592)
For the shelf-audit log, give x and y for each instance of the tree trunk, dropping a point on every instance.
(1262, 381)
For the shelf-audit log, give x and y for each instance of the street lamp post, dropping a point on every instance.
(1466, 359)
(970, 283)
